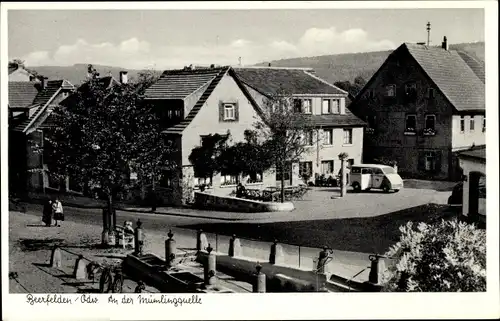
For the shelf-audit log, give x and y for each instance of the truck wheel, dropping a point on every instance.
(386, 188)
(356, 187)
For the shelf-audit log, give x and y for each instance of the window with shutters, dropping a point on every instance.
(228, 111)
(326, 108)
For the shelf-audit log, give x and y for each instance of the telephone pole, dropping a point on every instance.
(428, 33)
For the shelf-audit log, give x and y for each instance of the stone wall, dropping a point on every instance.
(234, 204)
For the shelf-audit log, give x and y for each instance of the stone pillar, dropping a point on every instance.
(55, 258)
(376, 270)
(210, 268)
(260, 281)
(138, 239)
(234, 247)
(276, 255)
(201, 241)
(170, 250)
(80, 270)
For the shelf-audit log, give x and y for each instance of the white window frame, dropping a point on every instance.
(393, 90)
(228, 179)
(229, 112)
(307, 107)
(350, 140)
(406, 123)
(433, 116)
(472, 123)
(329, 107)
(330, 164)
(328, 133)
(462, 124)
(335, 106)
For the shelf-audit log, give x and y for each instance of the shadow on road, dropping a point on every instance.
(39, 244)
(366, 234)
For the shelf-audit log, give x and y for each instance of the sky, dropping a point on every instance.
(174, 38)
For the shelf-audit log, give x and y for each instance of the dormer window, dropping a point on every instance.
(306, 106)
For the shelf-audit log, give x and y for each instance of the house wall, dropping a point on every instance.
(20, 75)
(321, 152)
(389, 139)
(465, 139)
(207, 122)
(469, 166)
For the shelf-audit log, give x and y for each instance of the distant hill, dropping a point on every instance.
(77, 73)
(346, 67)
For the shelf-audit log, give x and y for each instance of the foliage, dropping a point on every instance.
(282, 130)
(449, 256)
(102, 133)
(205, 158)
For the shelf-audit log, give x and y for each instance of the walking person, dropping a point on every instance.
(47, 213)
(58, 212)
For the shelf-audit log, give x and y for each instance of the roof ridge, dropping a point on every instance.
(326, 82)
(37, 114)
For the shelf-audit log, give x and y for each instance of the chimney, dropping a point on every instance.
(444, 45)
(123, 77)
(269, 64)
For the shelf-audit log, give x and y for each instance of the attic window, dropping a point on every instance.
(229, 112)
(430, 92)
(390, 90)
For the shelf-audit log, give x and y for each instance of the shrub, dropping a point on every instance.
(449, 256)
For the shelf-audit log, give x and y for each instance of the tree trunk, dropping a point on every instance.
(282, 194)
(153, 196)
(112, 212)
(105, 227)
(343, 187)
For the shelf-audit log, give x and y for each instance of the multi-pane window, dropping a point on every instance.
(327, 167)
(430, 161)
(335, 106)
(207, 181)
(308, 138)
(411, 123)
(305, 168)
(462, 123)
(307, 106)
(255, 177)
(177, 113)
(327, 136)
(390, 90)
(326, 107)
(297, 105)
(347, 136)
(229, 113)
(472, 123)
(228, 179)
(430, 122)
(411, 89)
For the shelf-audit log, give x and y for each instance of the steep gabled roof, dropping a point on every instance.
(43, 99)
(178, 84)
(458, 76)
(269, 80)
(22, 93)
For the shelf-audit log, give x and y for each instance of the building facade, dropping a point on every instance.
(473, 163)
(422, 106)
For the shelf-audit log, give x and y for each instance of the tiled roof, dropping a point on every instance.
(336, 120)
(476, 65)
(178, 128)
(269, 81)
(178, 84)
(479, 153)
(21, 93)
(452, 75)
(43, 100)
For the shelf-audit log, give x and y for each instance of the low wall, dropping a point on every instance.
(234, 204)
(282, 278)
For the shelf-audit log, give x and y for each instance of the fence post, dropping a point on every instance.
(170, 249)
(260, 281)
(210, 268)
(80, 270)
(56, 258)
(201, 241)
(234, 246)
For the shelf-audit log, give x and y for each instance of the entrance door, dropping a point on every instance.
(377, 177)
